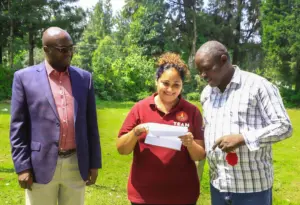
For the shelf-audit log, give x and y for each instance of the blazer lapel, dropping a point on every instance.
(75, 78)
(42, 78)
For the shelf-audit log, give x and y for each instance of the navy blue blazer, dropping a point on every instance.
(35, 125)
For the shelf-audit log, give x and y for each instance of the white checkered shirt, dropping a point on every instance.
(250, 106)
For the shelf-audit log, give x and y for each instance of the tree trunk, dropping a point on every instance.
(193, 47)
(0, 54)
(235, 58)
(11, 36)
(31, 45)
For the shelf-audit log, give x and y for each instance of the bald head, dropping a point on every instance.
(54, 35)
(58, 48)
(214, 48)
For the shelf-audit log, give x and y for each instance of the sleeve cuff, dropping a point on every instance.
(251, 141)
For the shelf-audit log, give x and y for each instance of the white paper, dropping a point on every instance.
(166, 130)
(165, 135)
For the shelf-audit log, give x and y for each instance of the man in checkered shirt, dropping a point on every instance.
(244, 115)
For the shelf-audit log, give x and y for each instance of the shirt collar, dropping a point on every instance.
(51, 70)
(178, 106)
(236, 79)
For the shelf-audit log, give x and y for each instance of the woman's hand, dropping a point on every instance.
(127, 142)
(194, 147)
(139, 129)
(187, 140)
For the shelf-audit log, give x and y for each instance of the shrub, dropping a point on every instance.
(290, 97)
(143, 95)
(194, 96)
(6, 77)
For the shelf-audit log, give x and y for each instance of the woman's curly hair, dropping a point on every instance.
(172, 60)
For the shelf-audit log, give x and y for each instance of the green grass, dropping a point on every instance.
(110, 188)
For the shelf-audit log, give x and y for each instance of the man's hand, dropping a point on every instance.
(229, 143)
(93, 174)
(25, 179)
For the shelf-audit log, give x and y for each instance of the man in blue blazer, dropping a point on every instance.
(54, 132)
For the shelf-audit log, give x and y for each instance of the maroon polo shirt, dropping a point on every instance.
(160, 175)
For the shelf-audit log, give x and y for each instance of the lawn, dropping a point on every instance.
(110, 188)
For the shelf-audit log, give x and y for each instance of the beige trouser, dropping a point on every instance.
(66, 187)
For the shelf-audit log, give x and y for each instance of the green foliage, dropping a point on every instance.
(6, 77)
(105, 78)
(281, 39)
(136, 76)
(19, 59)
(195, 96)
(290, 97)
(22, 24)
(146, 19)
(99, 26)
(120, 77)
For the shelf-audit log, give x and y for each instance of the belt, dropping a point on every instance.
(66, 153)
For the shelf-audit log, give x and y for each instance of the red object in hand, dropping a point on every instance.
(232, 158)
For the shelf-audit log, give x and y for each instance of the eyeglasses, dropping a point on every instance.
(63, 49)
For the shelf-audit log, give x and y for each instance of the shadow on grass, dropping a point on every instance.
(96, 186)
(7, 170)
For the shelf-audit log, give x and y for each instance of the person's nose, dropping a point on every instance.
(169, 89)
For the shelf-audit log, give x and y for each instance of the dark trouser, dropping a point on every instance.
(229, 198)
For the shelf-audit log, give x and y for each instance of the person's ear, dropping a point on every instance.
(46, 49)
(224, 59)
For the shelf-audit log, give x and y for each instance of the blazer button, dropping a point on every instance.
(56, 143)
(57, 124)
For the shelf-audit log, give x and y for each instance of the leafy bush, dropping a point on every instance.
(6, 77)
(121, 77)
(143, 95)
(290, 97)
(194, 96)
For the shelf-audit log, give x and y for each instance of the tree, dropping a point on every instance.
(98, 27)
(281, 39)
(147, 18)
(236, 24)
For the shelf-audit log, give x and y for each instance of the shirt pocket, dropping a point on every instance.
(245, 112)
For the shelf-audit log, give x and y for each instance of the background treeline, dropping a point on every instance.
(121, 50)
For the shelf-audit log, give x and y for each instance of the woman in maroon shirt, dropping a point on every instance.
(160, 175)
